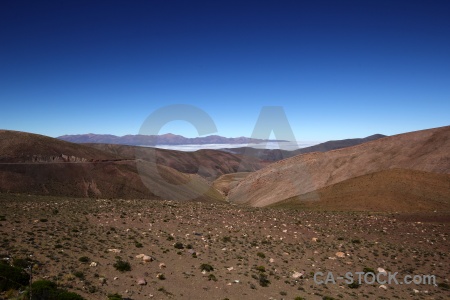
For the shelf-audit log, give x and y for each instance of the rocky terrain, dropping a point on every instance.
(143, 249)
(122, 222)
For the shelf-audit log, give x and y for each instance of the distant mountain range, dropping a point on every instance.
(153, 140)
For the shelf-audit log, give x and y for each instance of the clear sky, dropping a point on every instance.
(340, 69)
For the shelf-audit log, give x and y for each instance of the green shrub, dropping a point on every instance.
(226, 239)
(122, 266)
(84, 259)
(178, 245)
(261, 268)
(212, 277)
(260, 254)
(354, 285)
(444, 285)
(21, 263)
(206, 267)
(263, 281)
(12, 277)
(78, 274)
(47, 290)
(161, 276)
(114, 297)
(64, 295)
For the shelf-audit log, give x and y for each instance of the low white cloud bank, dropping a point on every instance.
(289, 146)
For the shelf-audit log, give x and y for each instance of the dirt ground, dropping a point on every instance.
(255, 253)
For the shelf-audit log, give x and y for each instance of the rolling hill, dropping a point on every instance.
(426, 151)
(42, 165)
(387, 190)
(16, 146)
(279, 154)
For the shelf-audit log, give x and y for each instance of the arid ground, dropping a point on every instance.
(245, 253)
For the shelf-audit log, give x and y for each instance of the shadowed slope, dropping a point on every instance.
(102, 180)
(214, 163)
(426, 150)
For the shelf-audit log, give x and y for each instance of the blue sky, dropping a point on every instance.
(340, 69)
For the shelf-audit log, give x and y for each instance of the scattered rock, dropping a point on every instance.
(141, 281)
(382, 271)
(144, 257)
(147, 258)
(340, 254)
(297, 275)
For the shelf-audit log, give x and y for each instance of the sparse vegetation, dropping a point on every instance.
(12, 277)
(178, 245)
(115, 297)
(212, 277)
(84, 259)
(206, 267)
(48, 290)
(86, 265)
(122, 266)
(263, 280)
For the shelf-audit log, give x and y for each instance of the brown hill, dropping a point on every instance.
(120, 179)
(36, 164)
(278, 154)
(209, 164)
(16, 146)
(426, 150)
(388, 190)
